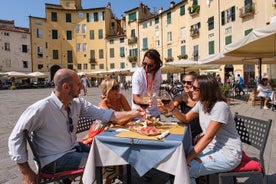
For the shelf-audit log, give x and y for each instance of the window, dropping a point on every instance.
(122, 51)
(132, 17)
(228, 16)
(169, 38)
(39, 52)
(169, 53)
(111, 52)
(25, 64)
(78, 47)
(101, 66)
(100, 34)
(195, 53)
(69, 35)
(145, 25)
(183, 33)
(210, 23)
(79, 67)
(68, 17)
(54, 16)
(145, 43)
(85, 66)
(169, 18)
(132, 33)
(55, 54)
(111, 41)
(182, 10)
(92, 66)
(69, 56)
(122, 40)
(157, 42)
(122, 65)
(183, 50)
(228, 40)
(39, 33)
(96, 17)
(91, 35)
(211, 47)
(112, 65)
(84, 47)
(7, 47)
(54, 34)
(133, 52)
(83, 28)
(156, 20)
(77, 28)
(101, 53)
(67, 4)
(157, 33)
(101, 16)
(80, 15)
(24, 48)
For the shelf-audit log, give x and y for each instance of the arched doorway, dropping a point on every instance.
(53, 70)
(227, 70)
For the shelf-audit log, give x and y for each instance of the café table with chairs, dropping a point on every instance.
(119, 146)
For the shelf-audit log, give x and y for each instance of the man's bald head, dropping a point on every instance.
(63, 76)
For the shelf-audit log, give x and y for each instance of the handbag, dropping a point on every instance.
(96, 128)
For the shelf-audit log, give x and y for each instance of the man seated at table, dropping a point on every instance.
(264, 91)
(54, 123)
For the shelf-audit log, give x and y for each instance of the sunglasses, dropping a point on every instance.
(70, 124)
(187, 82)
(115, 88)
(147, 64)
(194, 88)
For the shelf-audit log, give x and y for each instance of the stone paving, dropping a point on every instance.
(14, 102)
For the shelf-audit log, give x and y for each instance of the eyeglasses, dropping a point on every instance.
(147, 64)
(70, 124)
(115, 88)
(187, 82)
(194, 88)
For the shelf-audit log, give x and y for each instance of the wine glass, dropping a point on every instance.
(165, 96)
(146, 101)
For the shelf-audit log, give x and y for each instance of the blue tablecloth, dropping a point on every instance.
(144, 155)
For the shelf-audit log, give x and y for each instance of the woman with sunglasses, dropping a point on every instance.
(186, 102)
(146, 81)
(113, 99)
(220, 148)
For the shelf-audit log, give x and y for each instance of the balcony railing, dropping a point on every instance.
(194, 32)
(248, 10)
(132, 40)
(132, 59)
(92, 60)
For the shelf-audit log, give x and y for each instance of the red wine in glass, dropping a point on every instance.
(144, 106)
(165, 101)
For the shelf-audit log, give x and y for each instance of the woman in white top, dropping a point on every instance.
(220, 147)
(263, 90)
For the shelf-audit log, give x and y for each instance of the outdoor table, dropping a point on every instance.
(167, 155)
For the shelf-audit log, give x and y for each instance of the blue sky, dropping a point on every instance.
(19, 10)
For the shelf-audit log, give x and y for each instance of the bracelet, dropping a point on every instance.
(173, 109)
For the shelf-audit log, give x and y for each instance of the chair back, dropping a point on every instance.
(84, 124)
(29, 136)
(253, 132)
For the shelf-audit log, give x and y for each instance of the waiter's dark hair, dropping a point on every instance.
(155, 56)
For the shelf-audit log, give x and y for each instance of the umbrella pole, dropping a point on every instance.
(260, 69)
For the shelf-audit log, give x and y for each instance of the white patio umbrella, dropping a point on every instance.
(38, 75)
(17, 74)
(258, 47)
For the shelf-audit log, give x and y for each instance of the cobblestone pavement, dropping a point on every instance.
(14, 102)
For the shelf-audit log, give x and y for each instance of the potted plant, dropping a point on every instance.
(225, 88)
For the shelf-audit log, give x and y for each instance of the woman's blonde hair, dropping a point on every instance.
(106, 85)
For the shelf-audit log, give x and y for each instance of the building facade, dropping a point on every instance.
(15, 49)
(88, 40)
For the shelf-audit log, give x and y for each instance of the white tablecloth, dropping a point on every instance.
(102, 155)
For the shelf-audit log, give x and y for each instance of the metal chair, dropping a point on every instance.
(45, 177)
(253, 132)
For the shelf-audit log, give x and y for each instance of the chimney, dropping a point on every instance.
(160, 10)
(172, 4)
